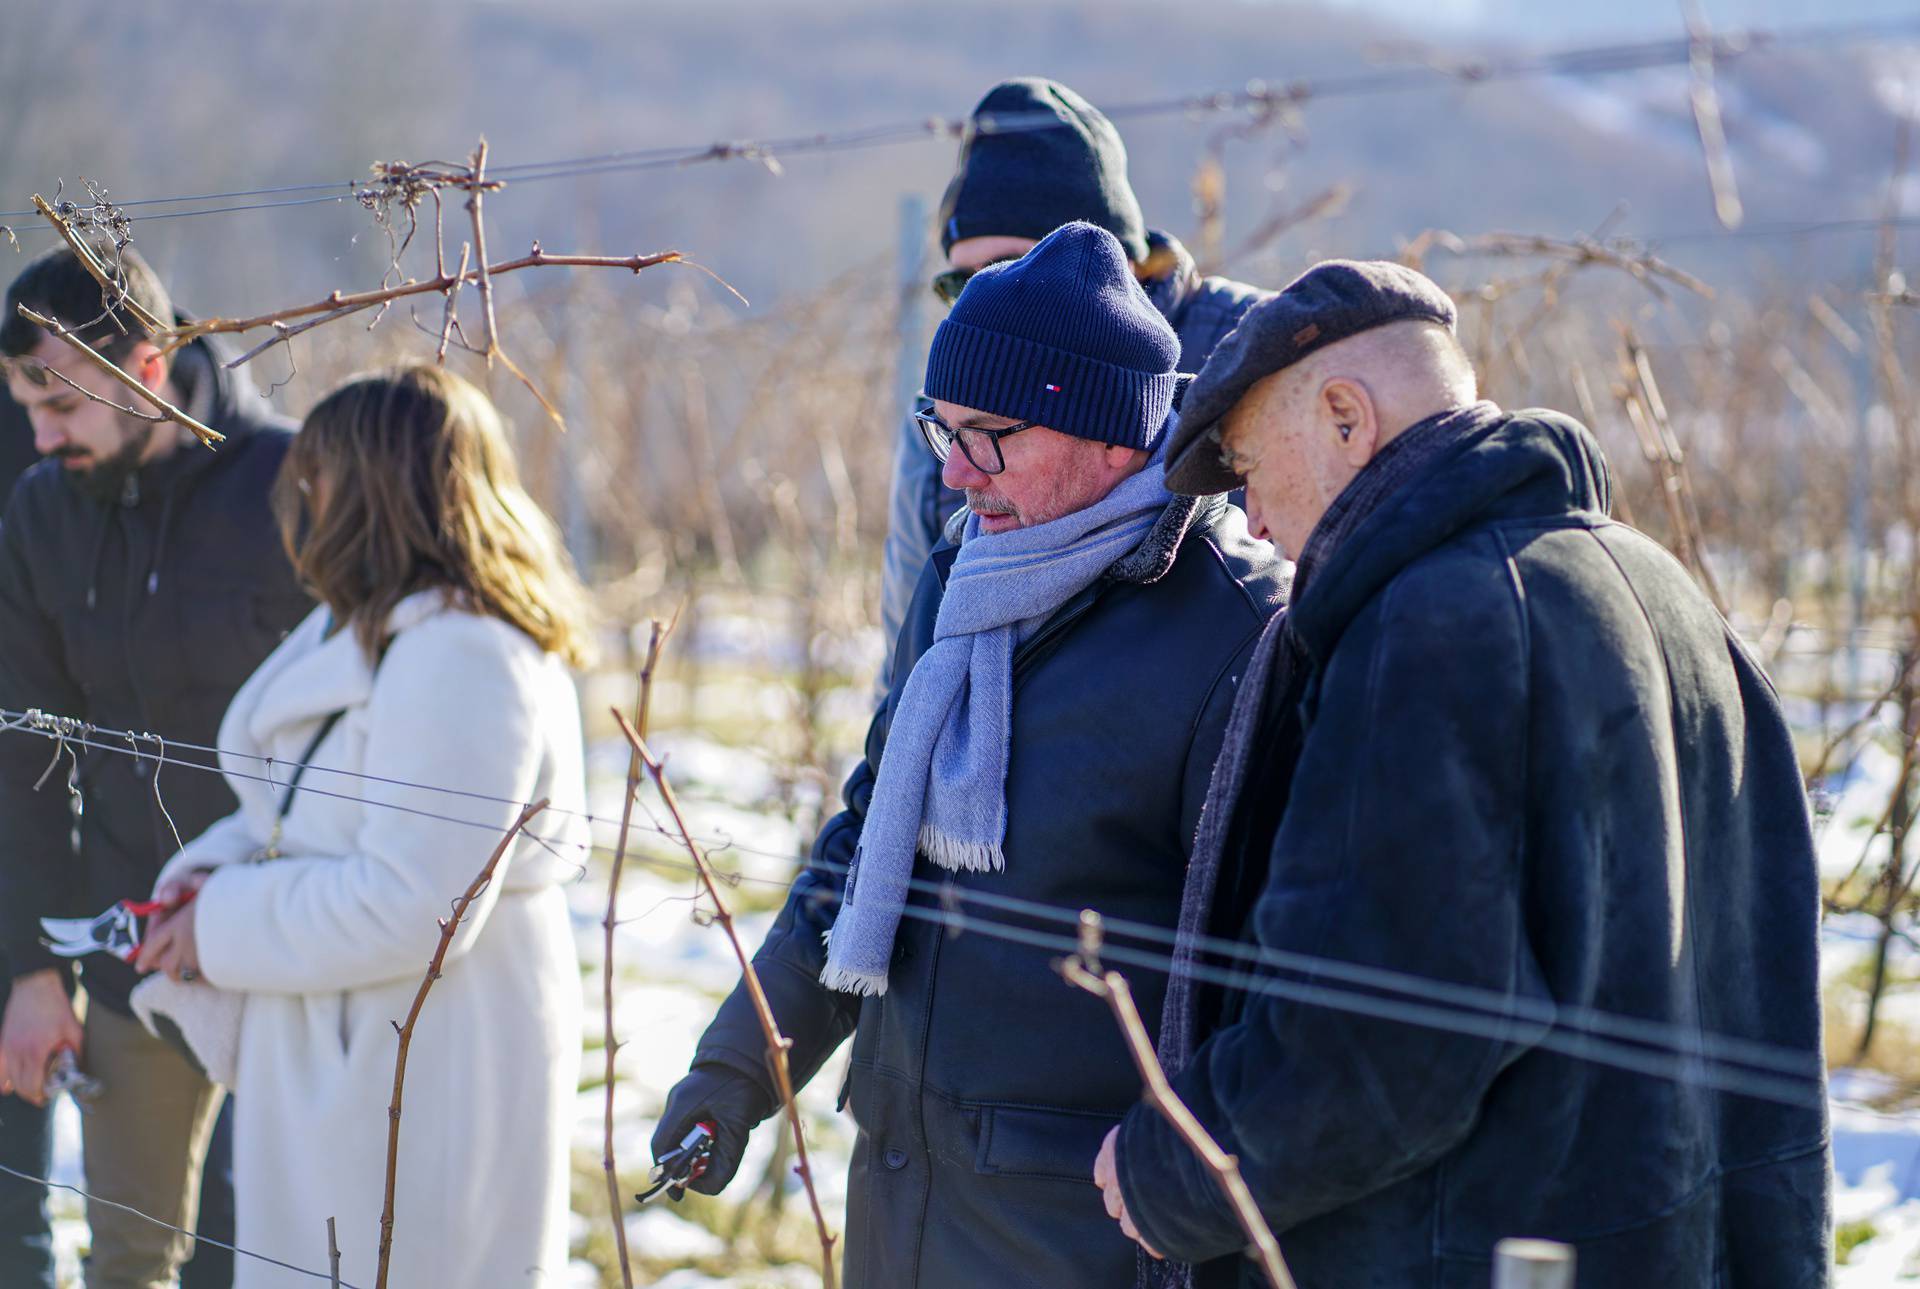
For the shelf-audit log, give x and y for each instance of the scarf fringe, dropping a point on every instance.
(845, 980)
(959, 856)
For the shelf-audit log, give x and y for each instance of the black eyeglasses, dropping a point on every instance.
(981, 447)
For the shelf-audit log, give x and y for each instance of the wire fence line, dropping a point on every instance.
(1727, 1062)
(1264, 100)
(90, 1198)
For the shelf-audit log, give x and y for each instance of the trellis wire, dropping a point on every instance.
(1258, 96)
(1443, 999)
(178, 1230)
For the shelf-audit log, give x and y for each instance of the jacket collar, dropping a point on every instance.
(314, 673)
(1530, 464)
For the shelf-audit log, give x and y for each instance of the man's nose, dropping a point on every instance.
(959, 474)
(1256, 522)
(48, 438)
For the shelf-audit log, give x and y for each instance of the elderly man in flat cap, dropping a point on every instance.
(1509, 827)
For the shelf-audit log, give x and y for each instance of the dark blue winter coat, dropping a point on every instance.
(981, 1083)
(1525, 755)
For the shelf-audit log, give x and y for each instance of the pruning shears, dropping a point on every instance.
(676, 1169)
(117, 931)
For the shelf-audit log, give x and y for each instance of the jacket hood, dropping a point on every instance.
(234, 404)
(1527, 464)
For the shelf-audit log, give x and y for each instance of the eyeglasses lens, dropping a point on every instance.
(979, 448)
(939, 442)
(983, 450)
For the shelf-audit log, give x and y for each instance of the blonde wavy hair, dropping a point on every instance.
(417, 489)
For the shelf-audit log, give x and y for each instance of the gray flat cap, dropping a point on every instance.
(1330, 301)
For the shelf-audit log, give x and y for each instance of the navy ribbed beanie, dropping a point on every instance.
(1065, 336)
(1036, 156)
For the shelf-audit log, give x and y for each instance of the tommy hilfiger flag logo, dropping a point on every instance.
(1053, 389)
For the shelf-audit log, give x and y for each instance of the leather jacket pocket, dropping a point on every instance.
(1022, 1141)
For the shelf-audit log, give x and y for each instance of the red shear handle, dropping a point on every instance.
(147, 908)
(705, 1156)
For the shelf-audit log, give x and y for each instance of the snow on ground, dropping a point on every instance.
(1856, 797)
(672, 970)
(1876, 1160)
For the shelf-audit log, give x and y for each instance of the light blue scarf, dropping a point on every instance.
(941, 788)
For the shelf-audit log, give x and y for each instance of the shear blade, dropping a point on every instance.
(69, 937)
(114, 931)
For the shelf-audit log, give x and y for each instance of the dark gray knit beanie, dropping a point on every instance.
(1037, 156)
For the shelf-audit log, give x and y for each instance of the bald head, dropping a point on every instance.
(1409, 370)
(1301, 434)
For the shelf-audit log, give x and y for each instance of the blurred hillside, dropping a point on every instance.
(232, 94)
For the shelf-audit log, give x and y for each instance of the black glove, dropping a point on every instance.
(712, 1093)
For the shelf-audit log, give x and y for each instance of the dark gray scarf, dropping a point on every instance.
(1275, 662)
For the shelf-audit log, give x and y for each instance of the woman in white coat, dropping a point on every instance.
(439, 657)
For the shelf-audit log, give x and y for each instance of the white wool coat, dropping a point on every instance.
(329, 943)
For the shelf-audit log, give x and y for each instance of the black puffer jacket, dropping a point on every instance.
(144, 615)
(16, 444)
(1523, 755)
(980, 1082)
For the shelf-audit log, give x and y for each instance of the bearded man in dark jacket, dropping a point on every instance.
(141, 581)
(1036, 156)
(1501, 791)
(1059, 693)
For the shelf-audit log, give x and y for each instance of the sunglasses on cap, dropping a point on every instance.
(948, 285)
(31, 370)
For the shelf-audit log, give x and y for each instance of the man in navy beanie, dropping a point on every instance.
(1036, 156)
(1061, 689)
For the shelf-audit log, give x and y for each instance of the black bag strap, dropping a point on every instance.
(300, 767)
(319, 737)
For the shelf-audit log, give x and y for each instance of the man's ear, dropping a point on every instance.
(1350, 406)
(146, 364)
(1121, 458)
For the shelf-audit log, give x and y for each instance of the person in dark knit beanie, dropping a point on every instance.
(1037, 156)
(1063, 337)
(1063, 675)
